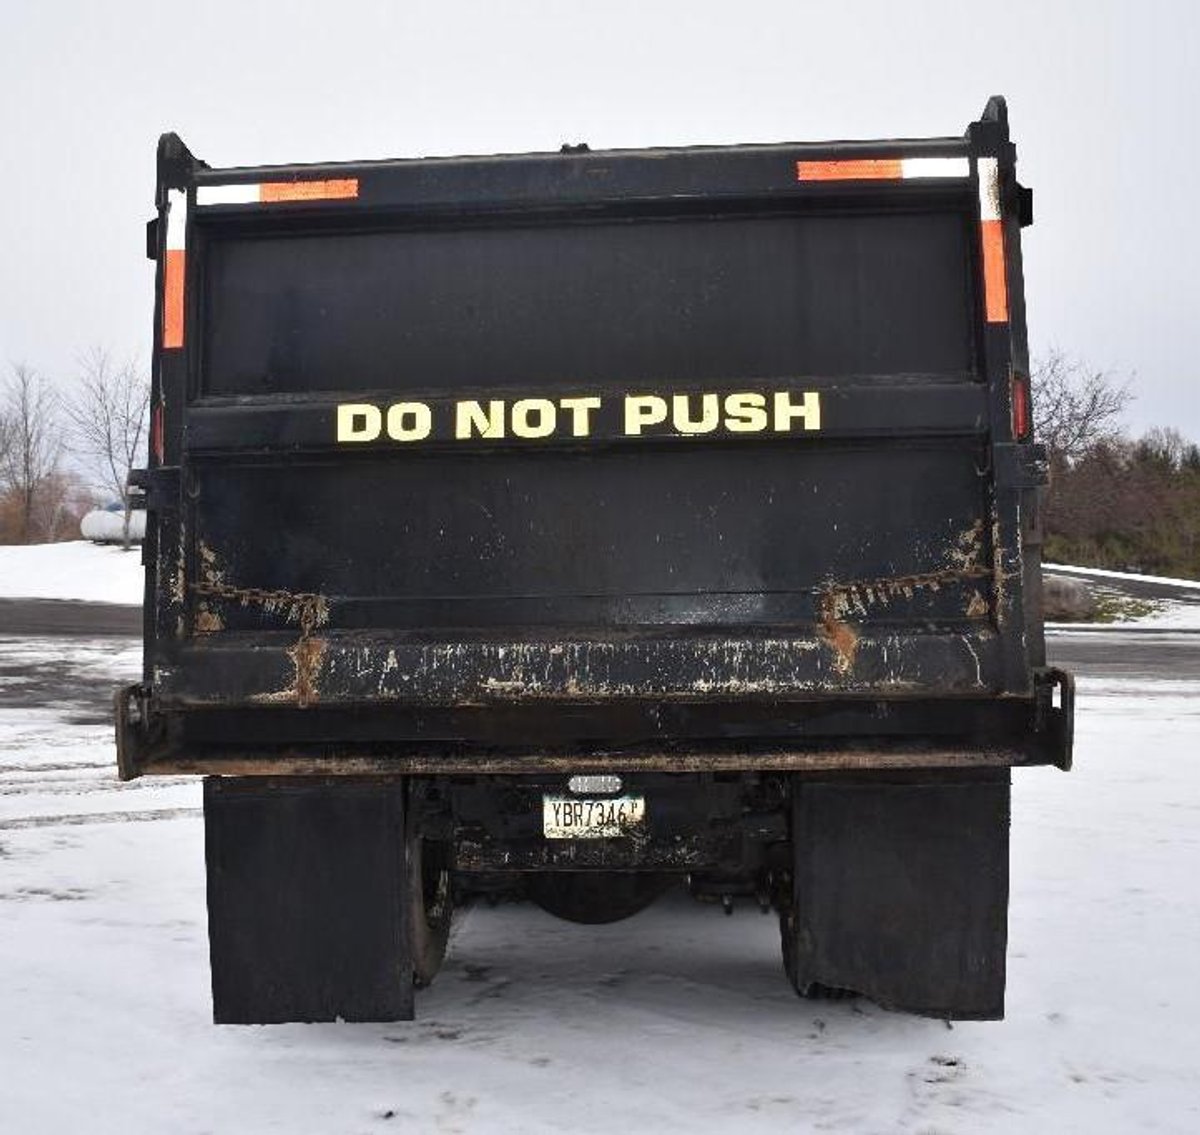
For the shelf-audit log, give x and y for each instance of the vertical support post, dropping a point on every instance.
(307, 900)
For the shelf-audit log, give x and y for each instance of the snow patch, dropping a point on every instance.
(1104, 573)
(1168, 616)
(76, 569)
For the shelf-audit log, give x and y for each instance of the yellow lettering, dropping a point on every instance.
(409, 421)
(643, 410)
(470, 416)
(580, 410)
(809, 411)
(534, 417)
(710, 414)
(738, 413)
(358, 421)
(745, 413)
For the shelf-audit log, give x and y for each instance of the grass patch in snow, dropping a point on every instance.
(1113, 607)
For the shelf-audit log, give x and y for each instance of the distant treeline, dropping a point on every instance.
(1113, 502)
(1127, 505)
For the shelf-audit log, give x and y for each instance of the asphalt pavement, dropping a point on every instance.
(1163, 655)
(43, 617)
(1148, 653)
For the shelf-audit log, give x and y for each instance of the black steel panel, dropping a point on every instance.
(701, 535)
(350, 668)
(726, 726)
(661, 301)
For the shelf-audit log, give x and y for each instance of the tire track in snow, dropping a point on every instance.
(79, 819)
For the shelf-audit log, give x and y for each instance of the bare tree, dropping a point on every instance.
(1075, 407)
(63, 500)
(109, 420)
(34, 445)
(5, 440)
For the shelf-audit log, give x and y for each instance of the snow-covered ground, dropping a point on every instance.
(77, 569)
(1117, 576)
(1165, 615)
(678, 1020)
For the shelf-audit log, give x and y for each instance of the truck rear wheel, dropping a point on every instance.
(595, 897)
(431, 907)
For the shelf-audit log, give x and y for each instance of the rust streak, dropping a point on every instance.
(308, 609)
(840, 635)
(306, 656)
(208, 621)
(839, 601)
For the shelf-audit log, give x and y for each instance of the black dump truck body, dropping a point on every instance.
(562, 525)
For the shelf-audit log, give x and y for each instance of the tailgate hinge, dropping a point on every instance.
(1059, 721)
(159, 487)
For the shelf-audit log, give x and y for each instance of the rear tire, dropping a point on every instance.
(595, 897)
(431, 907)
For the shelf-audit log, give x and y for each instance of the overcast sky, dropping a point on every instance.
(1103, 99)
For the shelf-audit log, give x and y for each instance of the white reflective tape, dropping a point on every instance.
(989, 189)
(935, 167)
(245, 194)
(176, 220)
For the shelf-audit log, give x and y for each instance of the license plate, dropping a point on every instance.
(570, 817)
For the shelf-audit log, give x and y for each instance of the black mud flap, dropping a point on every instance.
(900, 892)
(306, 900)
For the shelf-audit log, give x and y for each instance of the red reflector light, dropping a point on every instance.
(1021, 424)
(156, 433)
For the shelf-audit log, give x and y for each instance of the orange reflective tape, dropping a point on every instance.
(995, 280)
(172, 302)
(851, 169)
(337, 190)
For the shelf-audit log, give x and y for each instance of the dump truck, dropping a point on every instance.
(569, 527)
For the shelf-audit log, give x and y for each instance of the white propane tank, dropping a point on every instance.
(106, 527)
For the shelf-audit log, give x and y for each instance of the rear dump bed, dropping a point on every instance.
(710, 464)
